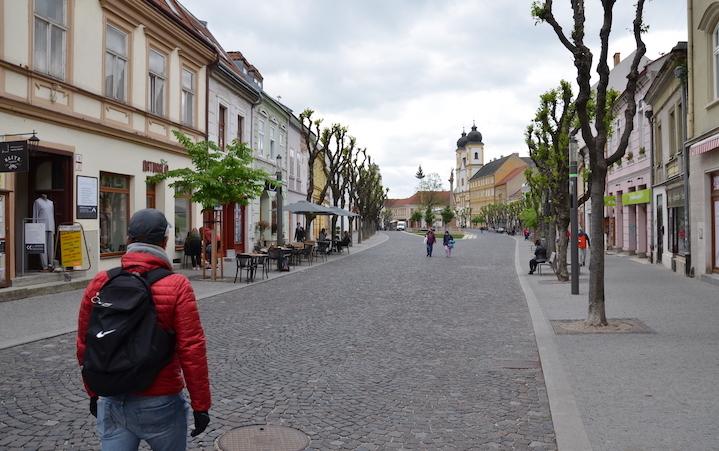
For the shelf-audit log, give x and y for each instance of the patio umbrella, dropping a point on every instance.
(304, 207)
(341, 212)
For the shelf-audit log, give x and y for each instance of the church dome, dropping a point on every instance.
(462, 141)
(474, 137)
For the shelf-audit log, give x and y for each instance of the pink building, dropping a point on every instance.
(628, 209)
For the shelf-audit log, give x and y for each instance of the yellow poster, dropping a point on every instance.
(70, 246)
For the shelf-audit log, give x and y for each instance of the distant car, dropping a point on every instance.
(401, 225)
(500, 230)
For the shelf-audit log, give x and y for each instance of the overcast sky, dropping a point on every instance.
(407, 75)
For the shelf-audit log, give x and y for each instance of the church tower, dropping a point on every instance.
(469, 160)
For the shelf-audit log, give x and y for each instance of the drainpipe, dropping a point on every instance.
(650, 118)
(681, 73)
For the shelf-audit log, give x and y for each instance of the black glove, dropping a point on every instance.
(202, 419)
(93, 406)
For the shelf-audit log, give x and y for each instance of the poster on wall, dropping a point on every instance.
(35, 237)
(86, 197)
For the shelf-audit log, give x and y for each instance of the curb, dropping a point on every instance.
(382, 237)
(568, 426)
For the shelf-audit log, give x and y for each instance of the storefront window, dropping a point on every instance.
(183, 218)
(114, 212)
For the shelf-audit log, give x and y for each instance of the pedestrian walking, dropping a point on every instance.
(540, 256)
(448, 243)
(582, 244)
(429, 240)
(299, 233)
(140, 342)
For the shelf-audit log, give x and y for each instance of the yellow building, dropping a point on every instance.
(498, 181)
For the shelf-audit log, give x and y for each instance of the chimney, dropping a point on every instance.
(617, 58)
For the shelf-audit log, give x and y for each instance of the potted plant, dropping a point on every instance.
(642, 151)
(261, 226)
(630, 155)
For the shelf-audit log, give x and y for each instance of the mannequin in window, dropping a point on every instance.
(43, 211)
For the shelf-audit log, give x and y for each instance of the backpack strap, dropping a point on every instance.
(156, 274)
(114, 272)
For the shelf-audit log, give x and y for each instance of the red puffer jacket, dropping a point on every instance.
(176, 310)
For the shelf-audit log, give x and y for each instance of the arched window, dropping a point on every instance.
(476, 156)
(715, 50)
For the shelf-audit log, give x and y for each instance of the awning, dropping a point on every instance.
(705, 145)
(303, 206)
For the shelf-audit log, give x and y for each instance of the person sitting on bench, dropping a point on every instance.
(540, 256)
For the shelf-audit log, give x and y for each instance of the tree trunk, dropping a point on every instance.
(562, 273)
(213, 253)
(596, 315)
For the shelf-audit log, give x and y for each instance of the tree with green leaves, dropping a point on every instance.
(478, 219)
(416, 218)
(216, 177)
(429, 216)
(447, 215)
(547, 138)
(596, 130)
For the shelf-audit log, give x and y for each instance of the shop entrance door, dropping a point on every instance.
(660, 227)
(50, 174)
(715, 222)
(4, 245)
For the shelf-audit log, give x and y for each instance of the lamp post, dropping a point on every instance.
(280, 229)
(573, 148)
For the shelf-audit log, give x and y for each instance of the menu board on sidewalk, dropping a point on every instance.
(35, 237)
(70, 245)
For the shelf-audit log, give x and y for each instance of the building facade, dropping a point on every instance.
(666, 113)
(402, 209)
(499, 181)
(104, 109)
(703, 136)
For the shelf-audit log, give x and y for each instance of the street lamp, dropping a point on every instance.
(573, 150)
(280, 237)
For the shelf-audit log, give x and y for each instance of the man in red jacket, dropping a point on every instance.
(157, 415)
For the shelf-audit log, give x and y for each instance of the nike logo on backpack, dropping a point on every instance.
(102, 333)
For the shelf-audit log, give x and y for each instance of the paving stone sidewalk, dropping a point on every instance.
(636, 392)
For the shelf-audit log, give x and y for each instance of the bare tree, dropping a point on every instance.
(595, 137)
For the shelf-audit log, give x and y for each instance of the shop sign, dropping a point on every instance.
(70, 245)
(155, 168)
(35, 237)
(610, 201)
(14, 156)
(642, 196)
(86, 195)
(675, 197)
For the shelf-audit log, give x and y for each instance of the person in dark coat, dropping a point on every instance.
(430, 239)
(448, 243)
(193, 248)
(540, 256)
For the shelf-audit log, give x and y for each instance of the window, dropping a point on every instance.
(476, 156)
(240, 128)
(261, 137)
(114, 212)
(672, 134)
(157, 83)
(49, 51)
(715, 48)
(221, 127)
(272, 142)
(150, 195)
(188, 97)
(183, 218)
(115, 63)
(292, 162)
(658, 143)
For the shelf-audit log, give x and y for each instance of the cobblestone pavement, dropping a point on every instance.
(386, 349)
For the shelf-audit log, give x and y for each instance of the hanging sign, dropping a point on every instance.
(14, 156)
(35, 237)
(642, 196)
(86, 197)
(70, 245)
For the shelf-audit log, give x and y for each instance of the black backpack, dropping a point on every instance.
(125, 346)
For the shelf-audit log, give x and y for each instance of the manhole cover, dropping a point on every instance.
(263, 438)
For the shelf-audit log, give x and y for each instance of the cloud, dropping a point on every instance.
(406, 76)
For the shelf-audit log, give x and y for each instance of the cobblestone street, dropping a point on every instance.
(386, 349)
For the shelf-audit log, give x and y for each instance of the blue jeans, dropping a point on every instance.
(430, 247)
(161, 421)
